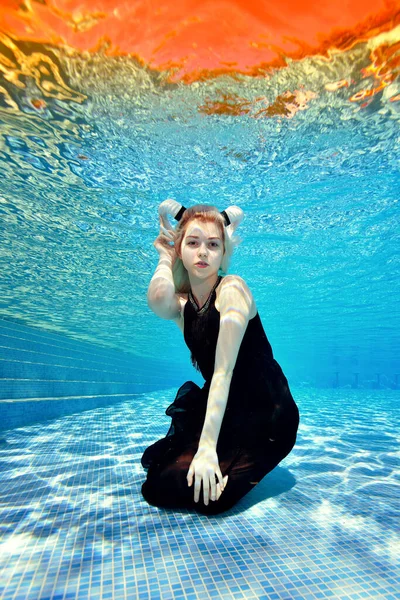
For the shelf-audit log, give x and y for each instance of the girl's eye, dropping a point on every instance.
(212, 243)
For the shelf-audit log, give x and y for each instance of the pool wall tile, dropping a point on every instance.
(47, 375)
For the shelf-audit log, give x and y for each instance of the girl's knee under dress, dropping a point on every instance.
(167, 486)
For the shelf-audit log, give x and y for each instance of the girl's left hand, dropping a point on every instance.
(204, 467)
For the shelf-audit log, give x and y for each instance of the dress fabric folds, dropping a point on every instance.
(258, 429)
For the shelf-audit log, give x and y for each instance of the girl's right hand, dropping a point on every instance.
(164, 243)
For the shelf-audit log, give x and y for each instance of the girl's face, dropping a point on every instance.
(202, 243)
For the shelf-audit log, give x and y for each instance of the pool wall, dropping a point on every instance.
(47, 375)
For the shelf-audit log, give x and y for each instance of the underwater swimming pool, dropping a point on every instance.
(297, 123)
(323, 524)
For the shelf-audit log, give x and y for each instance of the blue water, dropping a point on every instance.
(81, 181)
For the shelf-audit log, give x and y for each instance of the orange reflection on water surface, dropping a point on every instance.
(194, 40)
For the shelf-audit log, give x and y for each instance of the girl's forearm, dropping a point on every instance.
(162, 283)
(216, 405)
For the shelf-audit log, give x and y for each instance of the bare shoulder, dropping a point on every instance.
(239, 283)
(234, 279)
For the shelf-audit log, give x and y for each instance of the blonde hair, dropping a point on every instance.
(206, 214)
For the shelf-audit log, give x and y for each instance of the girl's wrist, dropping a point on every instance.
(164, 254)
(207, 444)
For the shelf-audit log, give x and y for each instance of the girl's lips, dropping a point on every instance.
(201, 265)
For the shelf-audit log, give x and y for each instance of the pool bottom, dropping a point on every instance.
(321, 525)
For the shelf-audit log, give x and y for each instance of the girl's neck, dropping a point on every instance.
(201, 290)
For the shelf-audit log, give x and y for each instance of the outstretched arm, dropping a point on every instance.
(235, 302)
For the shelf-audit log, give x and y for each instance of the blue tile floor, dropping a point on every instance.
(323, 524)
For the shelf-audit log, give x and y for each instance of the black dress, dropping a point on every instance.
(258, 429)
